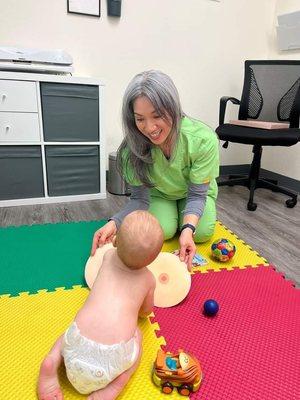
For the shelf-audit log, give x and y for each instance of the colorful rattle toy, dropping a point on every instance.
(181, 370)
(223, 249)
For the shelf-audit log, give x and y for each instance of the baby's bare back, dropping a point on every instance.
(110, 313)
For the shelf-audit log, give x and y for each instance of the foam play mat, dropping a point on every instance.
(250, 348)
(244, 256)
(29, 326)
(45, 256)
(53, 255)
(34, 262)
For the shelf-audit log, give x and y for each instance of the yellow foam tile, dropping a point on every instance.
(243, 257)
(29, 326)
(4, 296)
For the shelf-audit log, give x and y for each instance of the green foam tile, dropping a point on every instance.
(44, 256)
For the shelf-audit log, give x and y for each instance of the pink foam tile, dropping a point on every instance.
(250, 349)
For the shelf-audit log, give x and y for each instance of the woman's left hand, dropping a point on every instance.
(187, 247)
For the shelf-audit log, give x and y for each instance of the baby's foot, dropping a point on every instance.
(48, 385)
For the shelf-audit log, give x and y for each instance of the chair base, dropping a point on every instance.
(263, 183)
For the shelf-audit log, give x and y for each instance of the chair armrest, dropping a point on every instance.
(223, 104)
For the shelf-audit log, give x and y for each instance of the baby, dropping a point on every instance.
(102, 347)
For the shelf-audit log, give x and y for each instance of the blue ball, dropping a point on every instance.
(210, 307)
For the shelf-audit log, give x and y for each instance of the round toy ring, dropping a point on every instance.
(94, 263)
(173, 281)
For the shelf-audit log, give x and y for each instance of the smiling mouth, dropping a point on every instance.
(155, 135)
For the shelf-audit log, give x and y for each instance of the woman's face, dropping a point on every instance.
(149, 122)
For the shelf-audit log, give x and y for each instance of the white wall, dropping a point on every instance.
(283, 160)
(201, 44)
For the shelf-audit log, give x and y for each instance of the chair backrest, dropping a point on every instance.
(271, 91)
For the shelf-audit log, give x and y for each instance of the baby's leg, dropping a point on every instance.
(48, 385)
(112, 390)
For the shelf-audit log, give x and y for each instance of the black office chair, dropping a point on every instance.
(270, 93)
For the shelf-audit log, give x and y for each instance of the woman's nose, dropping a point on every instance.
(150, 126)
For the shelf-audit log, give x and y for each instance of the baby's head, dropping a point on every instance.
(139, 239)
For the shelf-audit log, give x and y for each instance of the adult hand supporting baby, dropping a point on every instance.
(104, 235)
(187, 247)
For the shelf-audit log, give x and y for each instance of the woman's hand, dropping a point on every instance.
(104, 235)
(187, 247)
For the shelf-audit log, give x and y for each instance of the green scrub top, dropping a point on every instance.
(195, 160)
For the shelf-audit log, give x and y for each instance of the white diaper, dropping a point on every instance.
(90, 365)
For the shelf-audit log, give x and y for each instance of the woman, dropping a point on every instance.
(170, 162)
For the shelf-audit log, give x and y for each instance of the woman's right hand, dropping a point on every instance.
(104, 235)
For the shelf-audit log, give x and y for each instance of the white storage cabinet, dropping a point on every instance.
(51, 139)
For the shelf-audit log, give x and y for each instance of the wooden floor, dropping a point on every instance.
(273, 230)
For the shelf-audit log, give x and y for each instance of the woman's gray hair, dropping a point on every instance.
(162, 93)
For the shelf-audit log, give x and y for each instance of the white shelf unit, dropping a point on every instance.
(40, 134)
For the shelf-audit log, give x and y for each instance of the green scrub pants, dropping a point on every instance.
(169, 214)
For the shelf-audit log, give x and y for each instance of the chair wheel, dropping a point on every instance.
(251, 206)
(290, 203)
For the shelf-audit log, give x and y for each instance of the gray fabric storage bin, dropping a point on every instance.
(70, 112)
(72, 170)
(21, 173)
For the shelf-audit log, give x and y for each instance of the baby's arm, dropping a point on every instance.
(147, 306)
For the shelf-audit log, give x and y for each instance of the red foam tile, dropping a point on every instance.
(251, 348)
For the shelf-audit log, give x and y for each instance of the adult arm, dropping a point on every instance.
(193, 211)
